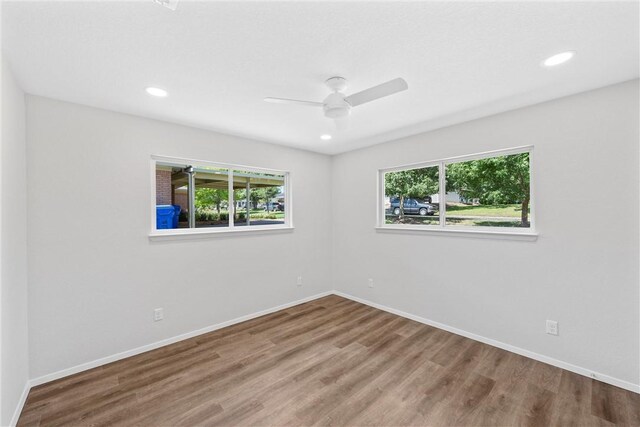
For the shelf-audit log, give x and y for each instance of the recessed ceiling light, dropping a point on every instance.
(156, 91)
(325, 137)
(558, 58)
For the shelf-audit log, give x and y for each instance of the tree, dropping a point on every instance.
(209, 197)
(413, 183)
(497, 180)
(269, 194)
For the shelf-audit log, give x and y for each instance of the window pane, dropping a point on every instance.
(171, 196)
(411, 196)
(491, 192)
(259, 198)
(211, 197)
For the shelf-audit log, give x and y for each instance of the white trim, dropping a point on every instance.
(231, 203)
(153, 198)
(288, 197)
(380, 211)
(483, 233)
(182, 160)
(442, 196)
(21, 402)
(199, 233)
(442, 227)
(119, 356)
(463, 158)
(508, 347)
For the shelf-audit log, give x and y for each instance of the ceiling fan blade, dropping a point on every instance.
(293, 101)
(376, 92)
(342, 123)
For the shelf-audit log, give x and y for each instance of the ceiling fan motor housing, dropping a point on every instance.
(336, 84)
(335, 106)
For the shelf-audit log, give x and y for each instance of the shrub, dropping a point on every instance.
(206, 215)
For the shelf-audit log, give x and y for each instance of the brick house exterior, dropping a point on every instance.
(165, 194)
(163, 187)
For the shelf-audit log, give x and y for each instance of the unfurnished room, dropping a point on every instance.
(320, 213)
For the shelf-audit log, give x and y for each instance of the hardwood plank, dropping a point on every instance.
(574, 401)
(329, 362)
(545, 376)
(614, 404)
(537, 407)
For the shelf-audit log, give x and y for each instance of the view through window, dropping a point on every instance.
(488, 191)
(192, 195)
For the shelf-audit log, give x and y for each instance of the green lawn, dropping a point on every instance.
(486, 210)
(456, 216)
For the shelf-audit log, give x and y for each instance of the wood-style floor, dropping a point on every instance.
(329, 362)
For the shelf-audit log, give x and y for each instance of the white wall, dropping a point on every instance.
(583, 269)
(95, 277)
(14, 369)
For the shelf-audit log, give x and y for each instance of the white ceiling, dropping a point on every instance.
(462, 60)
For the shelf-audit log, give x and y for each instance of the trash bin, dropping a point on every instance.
(176, 215)
(164, 216)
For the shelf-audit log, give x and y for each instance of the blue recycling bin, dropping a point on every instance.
(165, 215)
(176, 215)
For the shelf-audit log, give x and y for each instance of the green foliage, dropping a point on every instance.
(414, 183)
(263, 215)
(211, 215)
(209, 203)
(258, 195)
(209, 198)
(497, 180)
(206, 215)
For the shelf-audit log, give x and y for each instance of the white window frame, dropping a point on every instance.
(477, 231)
(231, 228)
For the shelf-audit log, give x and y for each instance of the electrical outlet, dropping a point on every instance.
(299, 281)
(158, 314)
(552, 327)
(371, 283)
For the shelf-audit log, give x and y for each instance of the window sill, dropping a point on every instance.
(203, 233)
(481, 234)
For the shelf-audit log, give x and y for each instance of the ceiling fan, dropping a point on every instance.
(338, 106)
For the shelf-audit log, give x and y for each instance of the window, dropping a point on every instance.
(489, 191)
(193, 194)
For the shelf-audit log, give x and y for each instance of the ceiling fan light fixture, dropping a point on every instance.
(336, 112)
(335, 106)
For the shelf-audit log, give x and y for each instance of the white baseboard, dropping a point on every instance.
(21, 402)
(103, 361)
(539, 357)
